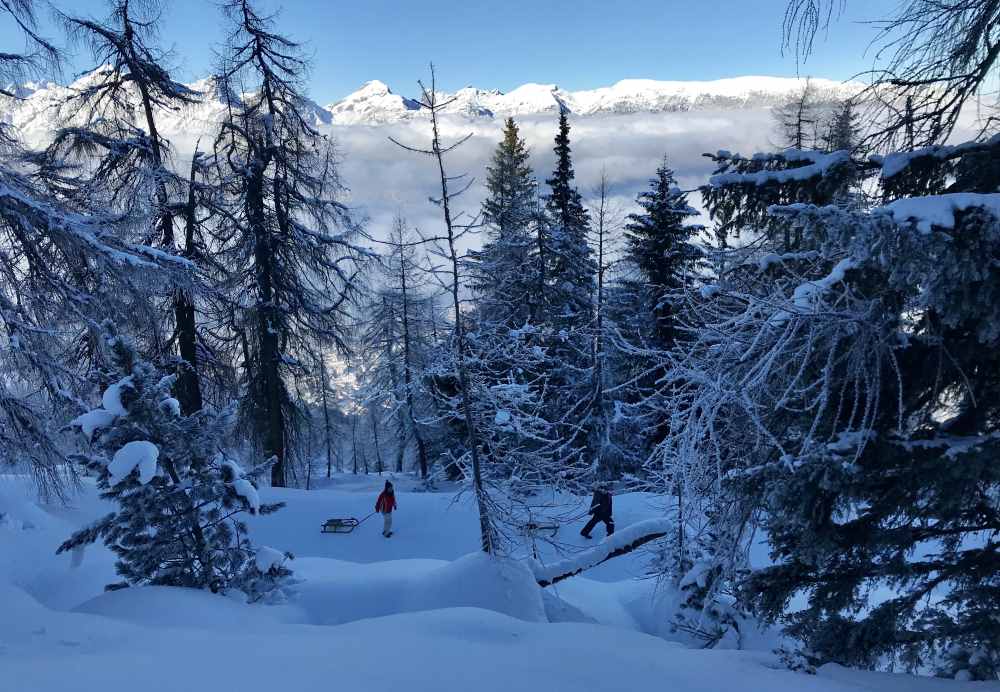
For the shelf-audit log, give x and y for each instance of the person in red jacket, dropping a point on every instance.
(385, 503)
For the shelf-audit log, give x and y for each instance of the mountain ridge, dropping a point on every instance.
(375, 103)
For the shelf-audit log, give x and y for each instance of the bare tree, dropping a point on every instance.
(939, 58)
(453, 231)
(607, 223)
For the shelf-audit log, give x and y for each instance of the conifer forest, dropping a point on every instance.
(469, 389)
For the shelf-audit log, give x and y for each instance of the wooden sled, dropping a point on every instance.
(340, 525)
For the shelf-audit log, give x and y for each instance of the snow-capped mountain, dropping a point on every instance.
(34, 110)
(375, 103)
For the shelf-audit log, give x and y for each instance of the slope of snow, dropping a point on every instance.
(360, 619)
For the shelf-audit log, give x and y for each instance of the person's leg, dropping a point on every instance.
(609, 525)
(590, 526)
(386, 523)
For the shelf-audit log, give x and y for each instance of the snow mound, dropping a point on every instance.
(335, 592)
(266, 558)
(137, 453)
(248, 492)
(171, 606)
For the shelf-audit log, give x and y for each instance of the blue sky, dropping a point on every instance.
(577, 45)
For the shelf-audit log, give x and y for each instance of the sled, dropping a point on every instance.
(340, 525)
(535, 528)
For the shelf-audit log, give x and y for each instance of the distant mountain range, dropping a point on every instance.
(375, 103)
(33, 111)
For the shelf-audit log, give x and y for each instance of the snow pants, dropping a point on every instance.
(609, 524)
(386, 523)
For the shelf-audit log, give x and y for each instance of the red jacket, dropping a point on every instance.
(386, 502)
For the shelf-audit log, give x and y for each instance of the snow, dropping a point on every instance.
(91, 421)
(939, 210)
(895, 163)
(137, 453)
(818, 165)
(336, 592)
(248, 492)
(172, 405)
(268, 558)
(589, 558)
(423, 610)
(112, 397)
(805, 295)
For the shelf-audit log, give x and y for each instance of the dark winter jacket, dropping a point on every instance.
(600, 506)
(386, 502)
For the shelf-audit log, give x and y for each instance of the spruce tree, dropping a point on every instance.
(843, 131)
(506, 290)
(177, 494)
(567, 306)
(658, 248)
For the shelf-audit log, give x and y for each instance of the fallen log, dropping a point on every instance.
(621, 542)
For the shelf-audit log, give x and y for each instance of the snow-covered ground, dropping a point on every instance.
(422, 610)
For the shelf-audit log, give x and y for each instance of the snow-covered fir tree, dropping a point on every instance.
(567, 305)
(843, 129)
(506, 287)
(178, 496)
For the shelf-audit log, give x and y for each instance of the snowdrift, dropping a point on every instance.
(362, 618)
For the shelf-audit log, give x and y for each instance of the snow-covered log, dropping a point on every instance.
(621, 542)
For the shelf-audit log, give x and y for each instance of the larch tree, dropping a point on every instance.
(112, 135)
(63, 268)
(288, 238)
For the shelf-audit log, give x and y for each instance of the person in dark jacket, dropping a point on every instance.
(385, 503)
(600, 510)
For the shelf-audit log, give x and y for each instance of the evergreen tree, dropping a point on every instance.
(506, 290)
(286, 237)
(178, 496)
(905, 490)
(658, 247)
(567, 306)
(660, 267)
(848, 394)
(571, 269)
(843, 131)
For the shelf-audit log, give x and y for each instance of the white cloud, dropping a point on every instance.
(385, 179)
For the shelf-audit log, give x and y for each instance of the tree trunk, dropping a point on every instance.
(326, 416)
